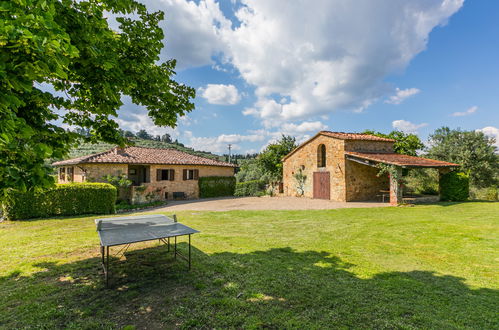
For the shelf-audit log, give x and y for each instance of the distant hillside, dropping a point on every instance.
(88, 148)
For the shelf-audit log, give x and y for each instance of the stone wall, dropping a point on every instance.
(92, 172)
(163, 190)
(368, 146)
(363, 183)
(306, 158)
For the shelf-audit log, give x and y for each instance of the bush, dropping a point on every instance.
(454, 186)
(63, 199)
(486, 194)
(250, 188)
(216, 186)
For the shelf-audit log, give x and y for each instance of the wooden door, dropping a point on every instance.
(321, 185)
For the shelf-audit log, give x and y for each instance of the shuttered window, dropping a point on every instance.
(165, 175)
(190, 175)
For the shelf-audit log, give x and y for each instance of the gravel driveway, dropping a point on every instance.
(262, 203)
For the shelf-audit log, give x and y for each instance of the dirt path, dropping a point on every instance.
(262, 203)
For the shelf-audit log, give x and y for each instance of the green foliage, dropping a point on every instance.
(250, 188)
(250, 170)
(485, 194)
(474, 151)
(63, 199)
(69, 46)
(118, 181)
(87, 148)
(405, 144)
(454, 186)
(270, 160)
(422, 181)
(216, 186)
(300, 181)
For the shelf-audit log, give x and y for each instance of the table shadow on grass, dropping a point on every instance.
(277, 288)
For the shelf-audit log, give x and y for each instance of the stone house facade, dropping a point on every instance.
(156, 174)
(342, 167)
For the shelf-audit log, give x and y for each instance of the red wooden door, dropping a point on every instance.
(321, 185)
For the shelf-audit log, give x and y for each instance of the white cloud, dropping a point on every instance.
(406, 126)
(304, 127)
(219, 144)
(220, 94)
(492, 132)
(401, 95)
(191, 30)
(339, 61)
(469, 111)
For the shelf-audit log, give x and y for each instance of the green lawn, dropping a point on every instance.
(430, 266)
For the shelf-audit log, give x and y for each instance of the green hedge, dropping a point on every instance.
(216, 186)
(454, 186)
(250, 188)
(63, 199)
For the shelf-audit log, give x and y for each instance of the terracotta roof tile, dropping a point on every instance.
(400, 160)
(141, 155)
(355, 136)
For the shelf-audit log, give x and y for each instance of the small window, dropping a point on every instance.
(165, 175)
(62, 173)
(70, 173)
(321, 156)
(191, 174)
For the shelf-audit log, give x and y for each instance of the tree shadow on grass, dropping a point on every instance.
(277, 288)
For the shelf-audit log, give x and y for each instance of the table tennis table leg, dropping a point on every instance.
(189, 252)
(168, 244)
(175, 248)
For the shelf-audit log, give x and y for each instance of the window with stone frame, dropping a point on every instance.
(321, 155)
(62, 173)
(165, 175)
(70, 173)
(190, 174)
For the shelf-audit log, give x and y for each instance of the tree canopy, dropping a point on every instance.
(474, 151)
(60, 61)
(405, 143)
(270, 160)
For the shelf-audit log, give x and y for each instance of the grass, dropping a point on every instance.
(421, 267)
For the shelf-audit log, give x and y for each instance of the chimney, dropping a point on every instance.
(119, 151)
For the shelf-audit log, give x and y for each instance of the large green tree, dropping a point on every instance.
(405, 143)
(474, 151)
(270, 160)
(60, 61)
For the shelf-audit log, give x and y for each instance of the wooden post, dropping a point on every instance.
(395, 188)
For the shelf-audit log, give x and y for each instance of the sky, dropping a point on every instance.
(265, 68)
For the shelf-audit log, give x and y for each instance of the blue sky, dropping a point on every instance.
(262, 68)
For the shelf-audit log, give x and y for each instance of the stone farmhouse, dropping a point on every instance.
(343, 167)
(156, 174)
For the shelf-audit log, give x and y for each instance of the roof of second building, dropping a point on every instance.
(400, 160)
(141, 155)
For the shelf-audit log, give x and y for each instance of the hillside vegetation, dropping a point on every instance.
(89, 148)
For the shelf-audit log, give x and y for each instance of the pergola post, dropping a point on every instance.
(395, 187)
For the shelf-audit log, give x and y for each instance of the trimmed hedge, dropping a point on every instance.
(216, 186)
(250, 188)
(63, 199)
(454, 186)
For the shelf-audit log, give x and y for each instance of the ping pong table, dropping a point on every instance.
(128, 230)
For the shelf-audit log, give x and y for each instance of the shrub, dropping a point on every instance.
(216, 186)
(487, 194)
(250, 188)
(454, 186)
(63, 199)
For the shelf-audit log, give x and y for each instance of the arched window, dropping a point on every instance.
(321, 156)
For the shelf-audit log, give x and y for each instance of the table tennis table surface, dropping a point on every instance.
(133, 229)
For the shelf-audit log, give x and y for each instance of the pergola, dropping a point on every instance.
(400, 162)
